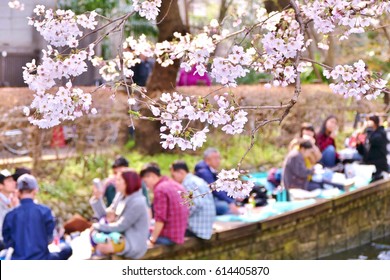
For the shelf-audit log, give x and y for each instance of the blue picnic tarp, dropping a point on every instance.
(267, 211)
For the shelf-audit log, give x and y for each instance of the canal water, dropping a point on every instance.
(377, 250)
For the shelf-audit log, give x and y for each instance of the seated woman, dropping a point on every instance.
(131, 218)
(295, 173)
(374, 149)
(326, 143)
(307, 132)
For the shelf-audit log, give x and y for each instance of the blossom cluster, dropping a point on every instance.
(66, 104)
(281, 43)
(355, 81)
(110, 70)
(53, 105)
(55, 67)
(229, 181)
(15, 4)
(61, 28)
(227, 70)
(194, 51)
(353, 15)
(148, 9)
(176, 111)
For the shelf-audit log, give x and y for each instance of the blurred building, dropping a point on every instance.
(21, 43)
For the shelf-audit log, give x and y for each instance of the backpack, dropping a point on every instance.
(259, 193)
(275, 176)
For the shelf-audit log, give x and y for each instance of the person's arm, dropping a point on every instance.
(377, 140)
(50, 224)
(14, 199)
(158, 227)
(205, 175)
(160, 207)
(222, 195)
(361, 149)
(98, 207)
(316, 155)
(7, 228)
(299, 168)
(129, 216)
(97, 204)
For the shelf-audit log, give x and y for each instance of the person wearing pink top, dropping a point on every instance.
(193, 79)
(170, 213)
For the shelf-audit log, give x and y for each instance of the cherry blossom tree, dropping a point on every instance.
(278, 46)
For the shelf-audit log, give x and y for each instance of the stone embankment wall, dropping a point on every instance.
(316, 231)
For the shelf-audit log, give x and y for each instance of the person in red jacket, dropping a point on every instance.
(326, 142)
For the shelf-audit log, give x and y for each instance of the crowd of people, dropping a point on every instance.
(309, 149)
(127, 221)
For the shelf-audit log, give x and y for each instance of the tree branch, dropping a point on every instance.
(316, 62)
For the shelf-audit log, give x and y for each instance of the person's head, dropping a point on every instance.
(305, 147)
(329, 125)
(27, 186)
(150, 174)
(7, 182)
(19, 171)
(307, 129)
(143, 57)
(373, 122)
(212, 158)
(179, 171)
(128, 182)
(120, 164)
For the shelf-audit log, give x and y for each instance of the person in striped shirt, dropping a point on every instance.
(202, 210)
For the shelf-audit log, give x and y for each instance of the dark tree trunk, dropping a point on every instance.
(225, 4)
(162, 79)
(168, 22)
(275, 5)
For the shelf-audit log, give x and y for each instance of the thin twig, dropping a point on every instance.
(166, 14)
(214, 91)
(316, 62)
(253, 138)
(120, 54)
(126, 16)
(260, 107)
(248, 30)
(297, 90)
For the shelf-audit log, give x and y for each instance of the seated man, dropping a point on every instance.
(202, 210)
(207, 170)
(170, 214)
(28, 228)
(295, 173)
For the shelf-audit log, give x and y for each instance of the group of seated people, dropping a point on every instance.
(126, 223)
(309, 149)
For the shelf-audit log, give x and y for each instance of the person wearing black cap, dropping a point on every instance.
(19, 171)
(29, 228)
(8, 198)
(374, 150)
